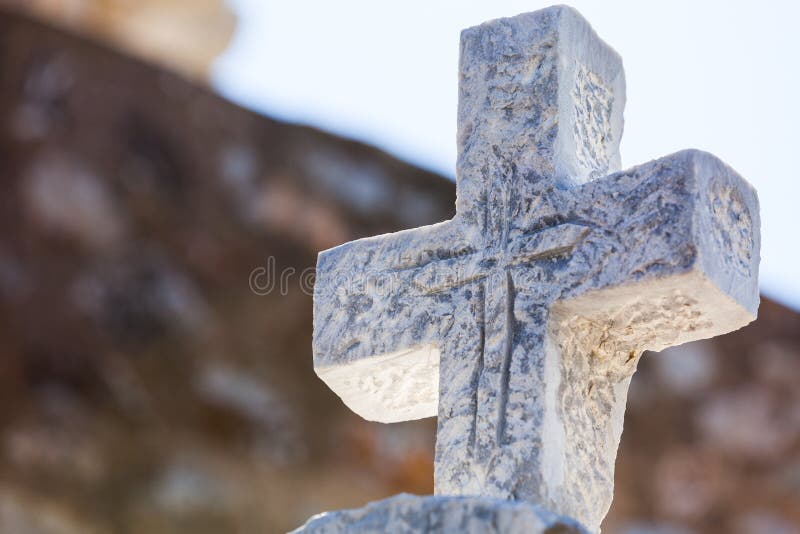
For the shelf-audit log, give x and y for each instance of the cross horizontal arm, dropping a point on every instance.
(687, 213)
(374, 343)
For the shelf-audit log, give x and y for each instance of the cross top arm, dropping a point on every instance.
(541, 97)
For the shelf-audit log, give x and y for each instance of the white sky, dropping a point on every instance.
(718, 76)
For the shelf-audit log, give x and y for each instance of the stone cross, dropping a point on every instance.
(520, 321)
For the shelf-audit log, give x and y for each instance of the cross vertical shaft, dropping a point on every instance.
(540, 108)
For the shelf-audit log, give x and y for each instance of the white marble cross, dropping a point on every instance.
(520, 321)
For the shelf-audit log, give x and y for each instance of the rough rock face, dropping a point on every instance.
(527, 312)
(410, 514)
(146, 388)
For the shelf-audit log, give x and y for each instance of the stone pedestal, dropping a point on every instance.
(406, 513)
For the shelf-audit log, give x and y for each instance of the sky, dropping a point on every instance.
(717, 76)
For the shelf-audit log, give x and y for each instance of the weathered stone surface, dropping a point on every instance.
(405, 513)
(521, 320)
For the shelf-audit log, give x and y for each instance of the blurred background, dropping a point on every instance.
(154, 153)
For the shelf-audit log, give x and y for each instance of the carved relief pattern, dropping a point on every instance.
(733, 226)
(593, 103)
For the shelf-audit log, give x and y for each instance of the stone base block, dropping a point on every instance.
(406, 513)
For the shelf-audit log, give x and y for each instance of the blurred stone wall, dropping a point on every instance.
(146, 387)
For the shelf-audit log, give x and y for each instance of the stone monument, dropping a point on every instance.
(520, 322)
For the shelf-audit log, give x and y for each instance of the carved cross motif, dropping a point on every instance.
(520, 321)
